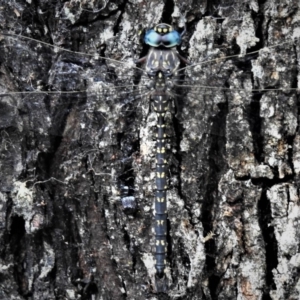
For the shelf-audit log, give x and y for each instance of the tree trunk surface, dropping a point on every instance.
(77, 169)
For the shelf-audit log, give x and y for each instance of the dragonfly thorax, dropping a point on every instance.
(161, 61)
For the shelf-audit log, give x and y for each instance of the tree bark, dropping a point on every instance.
(68, 228)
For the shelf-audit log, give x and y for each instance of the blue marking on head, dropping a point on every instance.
(168, 40)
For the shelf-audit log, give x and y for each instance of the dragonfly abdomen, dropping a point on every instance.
(161, 107)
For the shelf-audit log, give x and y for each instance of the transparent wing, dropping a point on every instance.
(100, 84)
(241, 99)
(81, 96)
(53, 81)
(81, 91)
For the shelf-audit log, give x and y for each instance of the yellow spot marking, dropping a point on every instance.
(165, 30)
(160, 174)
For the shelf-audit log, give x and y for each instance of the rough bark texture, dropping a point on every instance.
(233, 202)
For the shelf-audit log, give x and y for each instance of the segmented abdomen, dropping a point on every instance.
(161, 107)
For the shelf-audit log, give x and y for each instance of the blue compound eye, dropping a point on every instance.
(167, 40)
(171, 39)
(152, 38)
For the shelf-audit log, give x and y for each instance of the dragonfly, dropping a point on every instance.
(98, 108)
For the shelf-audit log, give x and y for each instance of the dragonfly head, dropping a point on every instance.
(162, 35)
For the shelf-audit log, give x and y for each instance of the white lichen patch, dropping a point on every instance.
(246, 38)
(296, 154)
(202, 39)
(261, 171)
(147, 208)
(250, 279)
(257, 69)
(48, 261)
(149, 263)
(274, 130)
(146, 148)
(284, 278)
(67, 11)
(4, 268)
(296, 33)
(147, 143)
(23, 203)
(254, 5)
(154, 12)
(267, 108)
(194, 247)
(126, 31)
(3, 200)
(36, 222)
(285, 212)
(184, 145)
(70, 294)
